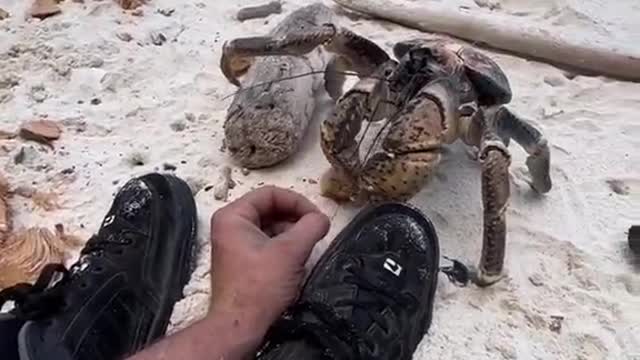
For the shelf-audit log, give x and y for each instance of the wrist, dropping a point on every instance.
(236, 328)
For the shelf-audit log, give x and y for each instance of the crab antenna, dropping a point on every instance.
(403, 95)
(375, 140)
(315, 72)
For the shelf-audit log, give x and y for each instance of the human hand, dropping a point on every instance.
(260, 244)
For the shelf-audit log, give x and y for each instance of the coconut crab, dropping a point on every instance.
(435, 93)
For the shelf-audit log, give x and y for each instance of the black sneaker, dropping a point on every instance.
(119, 296)
(370, 296)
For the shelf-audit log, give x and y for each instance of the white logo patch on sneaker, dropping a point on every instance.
(108, 220)
(392, 266)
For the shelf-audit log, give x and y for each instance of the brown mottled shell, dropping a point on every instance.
(487, 77)
(490, 82)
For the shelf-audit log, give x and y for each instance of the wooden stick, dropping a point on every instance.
(534, 42)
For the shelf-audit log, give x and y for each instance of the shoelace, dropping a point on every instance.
(42, 298)
(339, 338)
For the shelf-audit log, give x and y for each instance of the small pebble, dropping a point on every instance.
(169, 167)
(189, 116)
(39, 93)
(245, 171)
(96, 101)
(618, 186)
(313, 181)
(3, 14)
(556, 323)
(42, 131)
(166, 12)
(158, 38)
(221, 189)
(178, 125)
(126, 37)
(27, 155)
(536, 280)
(137, 159)
(554, 81)
(68, 171)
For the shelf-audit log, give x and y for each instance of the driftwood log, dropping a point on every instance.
(522, 39)
(266, 123)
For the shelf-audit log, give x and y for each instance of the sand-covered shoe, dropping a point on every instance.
(119, 296)
(370, 296)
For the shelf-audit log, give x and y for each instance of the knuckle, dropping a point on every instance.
(220, 219)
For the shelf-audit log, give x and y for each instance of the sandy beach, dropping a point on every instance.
(129, 102)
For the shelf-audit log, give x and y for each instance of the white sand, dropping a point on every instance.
(567, 251)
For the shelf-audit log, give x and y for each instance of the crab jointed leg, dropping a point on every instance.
(511, 126)
(358, 53)
(495, 196)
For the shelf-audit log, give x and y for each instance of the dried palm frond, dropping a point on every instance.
(24, 252)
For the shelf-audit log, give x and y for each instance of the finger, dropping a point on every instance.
(278, 227)
(270, 200)
(300, 239)
(226, 224)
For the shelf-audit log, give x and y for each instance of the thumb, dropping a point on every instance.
(299, 240)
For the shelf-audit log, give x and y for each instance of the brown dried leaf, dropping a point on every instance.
(42, 9)
(40, 130)
(47, 200)
(131, 4)
(3, 14)
(26, 252)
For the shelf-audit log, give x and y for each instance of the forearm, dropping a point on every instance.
(219, 336)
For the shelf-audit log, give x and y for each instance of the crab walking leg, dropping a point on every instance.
(495, 160)
(531, 139)
(363, 55)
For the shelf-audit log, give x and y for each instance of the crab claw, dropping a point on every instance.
(232, 63)
(461, 274)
